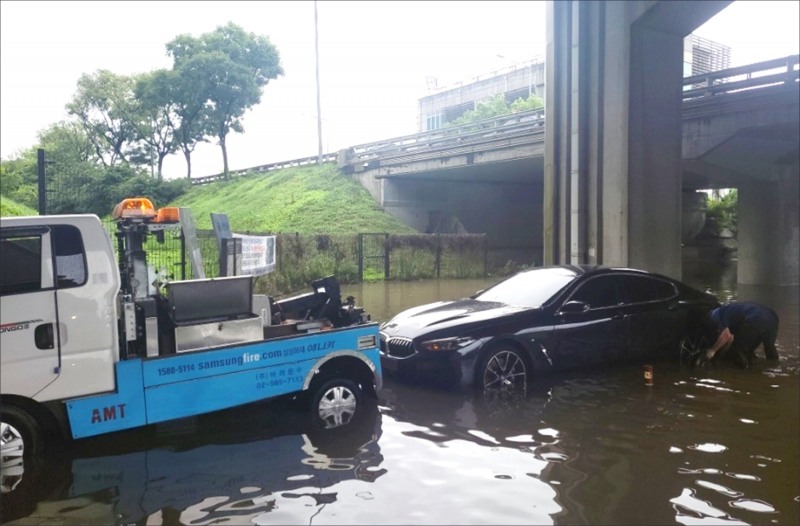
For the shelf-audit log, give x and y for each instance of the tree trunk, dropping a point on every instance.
(188, 155)
(161, 156)
(224, 155)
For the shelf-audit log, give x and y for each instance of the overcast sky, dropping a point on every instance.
(376, 60)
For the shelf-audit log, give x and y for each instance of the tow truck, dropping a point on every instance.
(88, 344)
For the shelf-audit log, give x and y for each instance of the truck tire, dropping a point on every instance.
(21, 445)
(20, 434)
(334, 402)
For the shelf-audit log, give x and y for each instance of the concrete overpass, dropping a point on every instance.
(740, 130)
(613, 163)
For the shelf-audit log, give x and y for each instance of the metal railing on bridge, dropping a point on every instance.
(523, 123)
(777, 72)
(767, 74)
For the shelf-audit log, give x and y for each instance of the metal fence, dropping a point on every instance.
(301, 259)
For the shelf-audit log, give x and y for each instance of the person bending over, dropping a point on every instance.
(741, 327)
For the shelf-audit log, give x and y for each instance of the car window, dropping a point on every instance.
(599, 292)
(20, 264)
(641, 289)
(70, 260)
(530, 288)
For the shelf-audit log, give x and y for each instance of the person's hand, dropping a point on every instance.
(704, 357)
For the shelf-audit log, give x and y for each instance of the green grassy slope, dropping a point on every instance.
(9, 207)
(306, 200)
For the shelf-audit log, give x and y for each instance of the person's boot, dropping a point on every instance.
(741, 360)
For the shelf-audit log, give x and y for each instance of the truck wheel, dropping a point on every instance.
(334, 402)
(20, 442)
(20, 435)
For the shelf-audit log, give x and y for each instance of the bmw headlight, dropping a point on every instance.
(447, 344)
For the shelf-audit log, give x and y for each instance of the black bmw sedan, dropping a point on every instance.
(546, 319)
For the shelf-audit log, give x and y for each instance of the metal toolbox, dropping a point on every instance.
(212, 334)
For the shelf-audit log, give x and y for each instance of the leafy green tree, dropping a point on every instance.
(723, 210)
(64, 141)
(497, 106)
(157, 116)
(228, 68)
(533, 102)
(18, 179)
(184, 90)
(76, 181)
(104, 104)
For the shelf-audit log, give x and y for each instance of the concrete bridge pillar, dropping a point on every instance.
(769, 229)
(612, 175)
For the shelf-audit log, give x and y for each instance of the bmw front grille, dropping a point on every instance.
(397, 347)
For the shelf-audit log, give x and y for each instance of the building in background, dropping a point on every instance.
(446, 104)
(701, 55)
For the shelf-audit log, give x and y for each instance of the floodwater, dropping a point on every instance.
(700, 446)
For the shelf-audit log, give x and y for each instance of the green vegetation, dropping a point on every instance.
(723, 210)
(122, 127)
(305, 200)
(497, 106)
(9, 207)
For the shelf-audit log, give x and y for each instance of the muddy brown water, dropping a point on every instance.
(702, 446)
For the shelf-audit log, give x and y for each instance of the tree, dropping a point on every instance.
(236, 66)
(158, 116)
(723, 210)
(105, 106)
(64, 142)
(185, 89)
(497, 106)
(76, 181)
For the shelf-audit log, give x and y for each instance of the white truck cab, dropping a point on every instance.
(88, 346)
(58, 318)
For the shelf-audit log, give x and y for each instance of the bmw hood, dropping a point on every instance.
(444, 314)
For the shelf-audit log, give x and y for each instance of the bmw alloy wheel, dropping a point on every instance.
(505, 370)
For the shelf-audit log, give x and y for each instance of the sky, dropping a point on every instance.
(376, 59)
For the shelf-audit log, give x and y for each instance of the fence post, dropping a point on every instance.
(438, 255)
(386, 256)
(485, 255)
(42, 184)
(183, 254)
(360, 257)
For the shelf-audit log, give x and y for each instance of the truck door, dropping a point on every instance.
(28, 314)
(85, 298)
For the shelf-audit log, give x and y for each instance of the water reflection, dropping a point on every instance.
(240, 467)
(716, 445)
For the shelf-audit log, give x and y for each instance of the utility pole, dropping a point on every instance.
(319, 105)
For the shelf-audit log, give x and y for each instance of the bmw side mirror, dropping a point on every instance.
(574, 307)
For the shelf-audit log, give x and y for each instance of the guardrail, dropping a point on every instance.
(305, 161)
(782, 71)
(506, 125)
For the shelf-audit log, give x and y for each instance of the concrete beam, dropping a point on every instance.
(613, 131)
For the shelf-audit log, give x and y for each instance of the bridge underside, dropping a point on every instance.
(626, 148)
(500, 193)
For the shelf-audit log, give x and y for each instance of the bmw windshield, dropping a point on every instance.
(532, 288)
